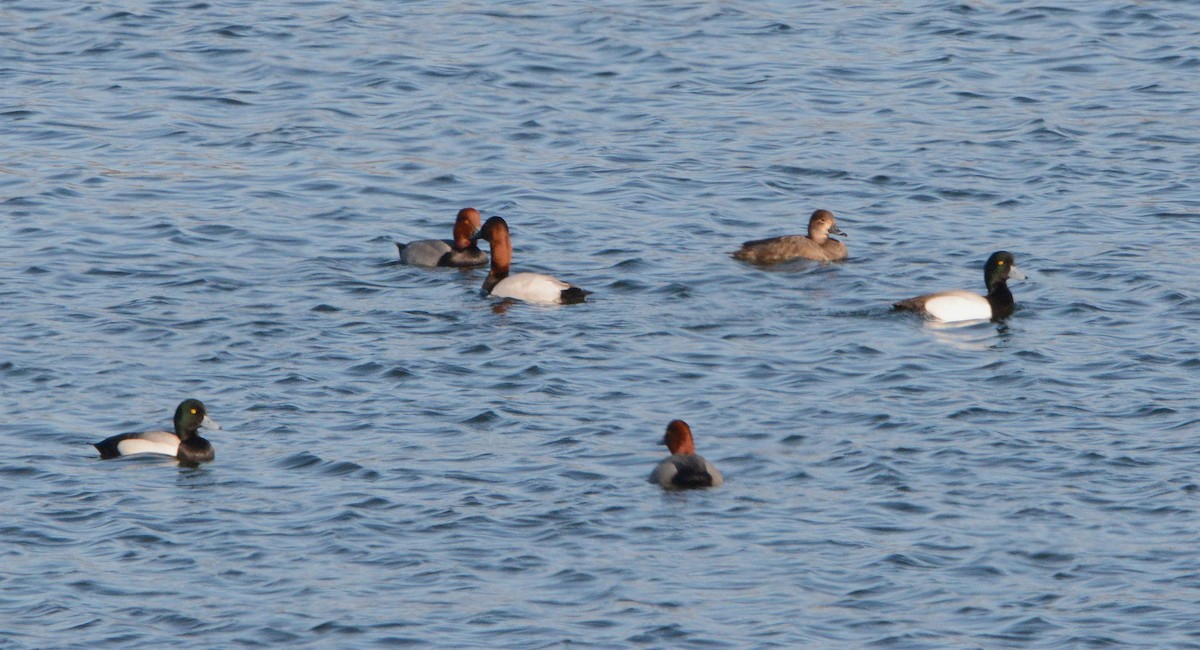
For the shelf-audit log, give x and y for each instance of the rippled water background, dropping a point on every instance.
(200, 199)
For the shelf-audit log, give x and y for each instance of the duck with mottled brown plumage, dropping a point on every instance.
(818, 245)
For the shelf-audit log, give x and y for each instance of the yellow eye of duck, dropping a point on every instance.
(193, 411)
(998, 263)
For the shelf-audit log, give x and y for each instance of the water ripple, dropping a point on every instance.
(201, 201)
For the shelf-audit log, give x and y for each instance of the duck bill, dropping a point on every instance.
(1015, 274)
(209, 423)
(837, 231)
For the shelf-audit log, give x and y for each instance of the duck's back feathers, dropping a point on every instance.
(426, 252)
(537, 287)
(789, 247)
(440, 252)
(144, 442)
(685, 472)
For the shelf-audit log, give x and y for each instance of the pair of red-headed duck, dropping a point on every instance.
(683, 469)
(945, 306)
(463, 251)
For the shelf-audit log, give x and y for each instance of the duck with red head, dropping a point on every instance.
(818, 245)
(684, 468)
(460, 251)
(530, 287)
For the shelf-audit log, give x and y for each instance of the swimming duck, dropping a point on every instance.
(816, 246)
(460, 251)
(185, 444)
(684, 468)
(530, 287)
(954, 306)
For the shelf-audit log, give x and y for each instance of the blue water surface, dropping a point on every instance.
(200, 199)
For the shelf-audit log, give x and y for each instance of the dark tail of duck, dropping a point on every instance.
(107, 448)
(692, 478)
(573, 295)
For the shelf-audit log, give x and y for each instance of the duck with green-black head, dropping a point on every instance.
(956, 306)
(185, 444)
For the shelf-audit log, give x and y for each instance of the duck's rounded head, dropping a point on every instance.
(821, 224)
(1000, 267)
(678, 438)
(495, 232)
(191, 415)
(493, 228)
(466, 224)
